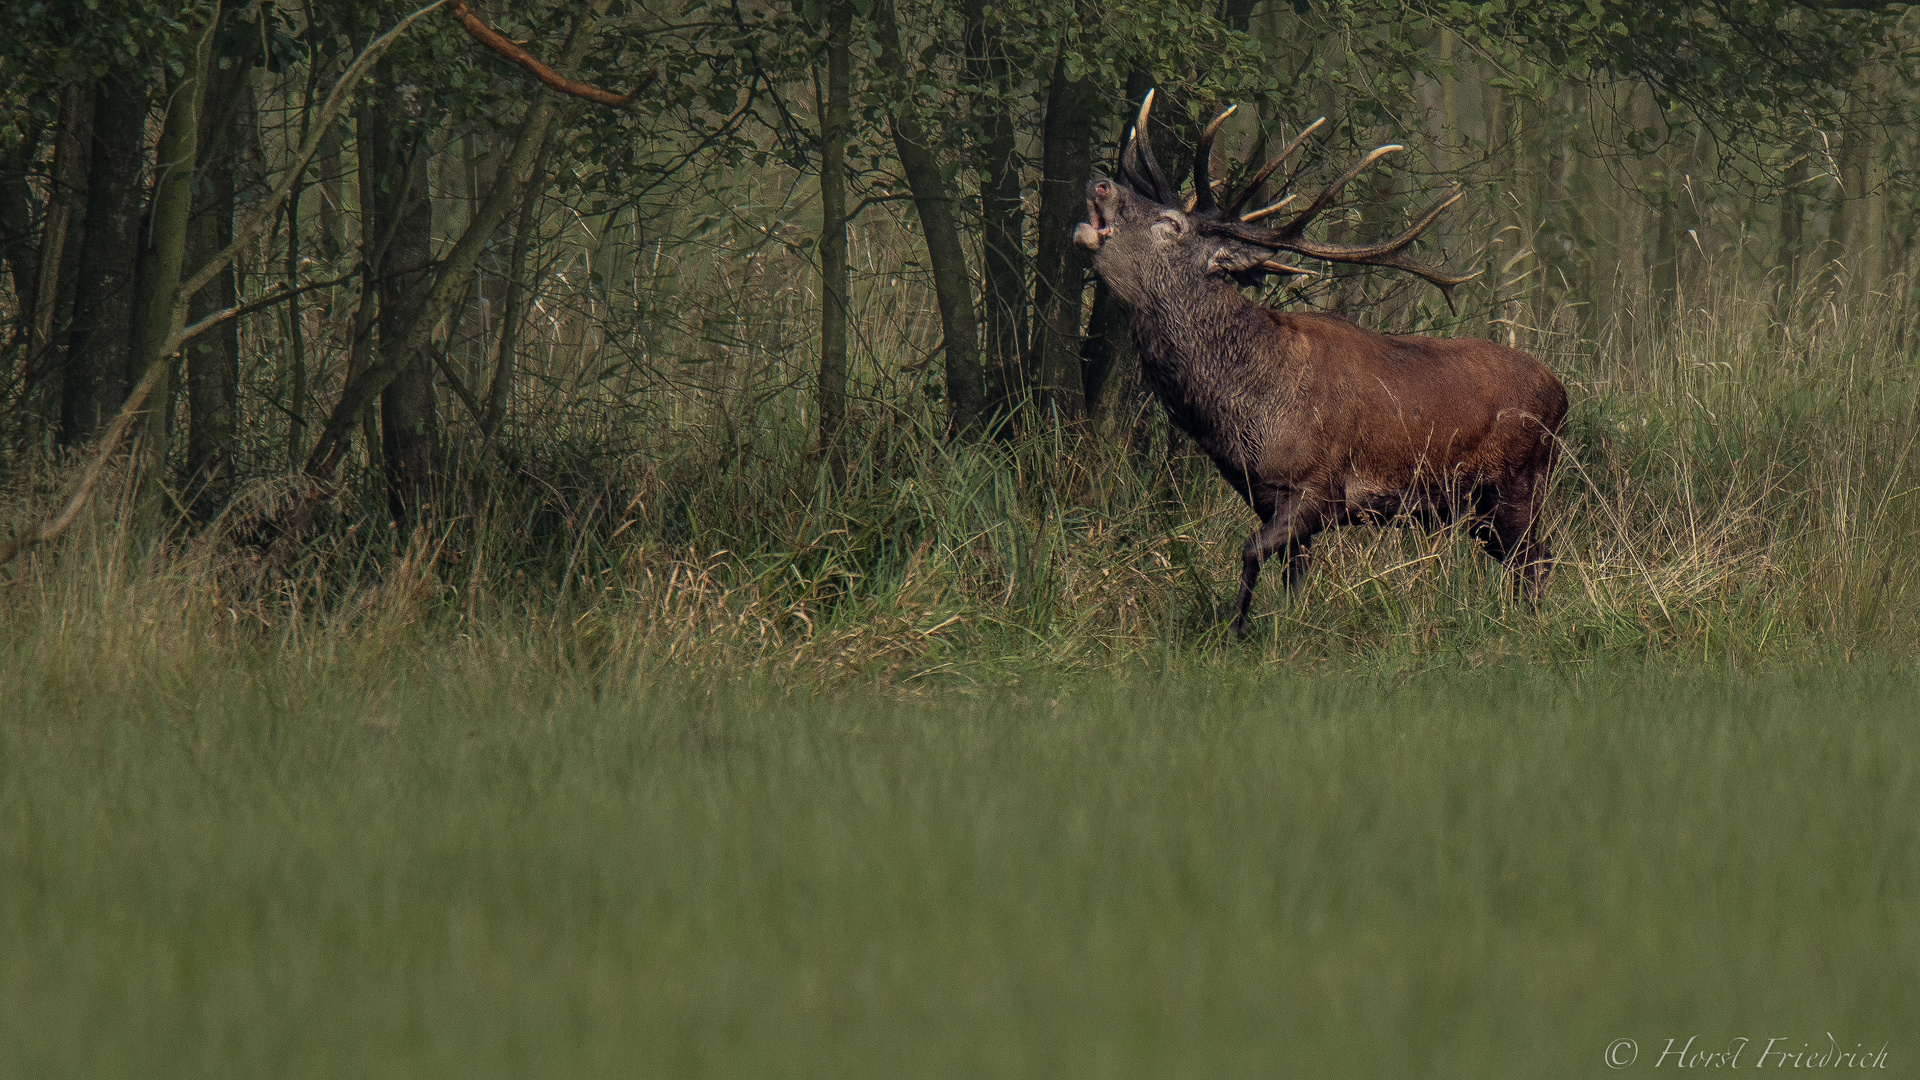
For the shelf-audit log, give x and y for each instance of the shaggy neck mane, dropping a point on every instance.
(1199, 352)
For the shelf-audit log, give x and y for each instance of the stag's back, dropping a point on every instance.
(1385, 407)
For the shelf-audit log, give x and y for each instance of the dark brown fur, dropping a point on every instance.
(1318, 422)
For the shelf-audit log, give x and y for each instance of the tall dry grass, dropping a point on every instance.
(1738, 482)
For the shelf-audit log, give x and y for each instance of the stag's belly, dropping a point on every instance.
(1429, 502)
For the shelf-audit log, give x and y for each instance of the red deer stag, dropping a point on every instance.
(1313, 420)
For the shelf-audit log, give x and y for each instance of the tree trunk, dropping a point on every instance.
(1862, 219)
(1111, 373)
(953, 288)
(95, 381)
(513, 306)
(175, 171)
(213, 358)
(19, 246)
(1059, 285)
(62, 232)
(450, 281)
(1630, 225)
(1002, 210)
(393, 145)
(330, 166)
(1589, 208)
(1791, 251)
(833, 234)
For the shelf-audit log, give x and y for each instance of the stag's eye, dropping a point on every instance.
(1170, 226)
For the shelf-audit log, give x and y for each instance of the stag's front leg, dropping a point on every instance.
(1290, 526)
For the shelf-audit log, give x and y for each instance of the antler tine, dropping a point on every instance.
(1299, 223)
(1203, 201)
(1389, 254)
(1187, 207)
(1163, 191)
(1266, 170)
(1371, 253)
(1266, 211)
(1130, 162)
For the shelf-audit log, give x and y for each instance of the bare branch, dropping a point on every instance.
(499, 43)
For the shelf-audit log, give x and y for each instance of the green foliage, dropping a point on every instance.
(49, 43)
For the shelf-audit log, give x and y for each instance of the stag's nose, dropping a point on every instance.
(1102, 189)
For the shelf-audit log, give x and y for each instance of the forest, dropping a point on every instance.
(314, 283)
(562, 537)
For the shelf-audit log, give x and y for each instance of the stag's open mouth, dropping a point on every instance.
(1091, 233)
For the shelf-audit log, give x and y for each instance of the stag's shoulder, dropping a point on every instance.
(1322, 330)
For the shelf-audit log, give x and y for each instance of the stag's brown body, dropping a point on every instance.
(1317, 422)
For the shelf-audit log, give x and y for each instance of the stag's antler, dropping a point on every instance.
(1139, 144)
(478, 29)
(1266, 170)
(1292, 236)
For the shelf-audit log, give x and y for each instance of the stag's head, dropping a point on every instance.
(1151, 245)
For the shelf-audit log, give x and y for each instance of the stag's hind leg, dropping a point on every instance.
(1291, 526)
(1510, 534)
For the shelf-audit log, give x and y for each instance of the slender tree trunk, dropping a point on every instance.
(1112, 372)
(953, 288)
(95, 381)
(1863, 220)
(1630, 243)
(1666, 250)
(19, 242)
(62, 233)
(1002, 210)
(1677, 235)
(833, 234)
(366, 310)
(513, 307)
(1059, 280)
(1791, 251)
(331, 169)
(175, 171)
(213, 359)
(402, 218)
(1590, 211)
(1106, 339)
(1449, 104)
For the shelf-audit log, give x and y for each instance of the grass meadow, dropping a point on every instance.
(699, 764)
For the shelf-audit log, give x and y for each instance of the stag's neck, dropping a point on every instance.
(1202, 327)
(1213, 360)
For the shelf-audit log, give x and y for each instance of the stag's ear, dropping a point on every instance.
(1236, 257)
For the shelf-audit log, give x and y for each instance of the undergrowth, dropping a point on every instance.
(1739, 487)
